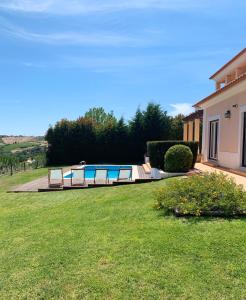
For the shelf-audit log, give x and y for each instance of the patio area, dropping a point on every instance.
(139, 176)
(42, 185)
(237, 175)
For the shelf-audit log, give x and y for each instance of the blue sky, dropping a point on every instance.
(58, 58)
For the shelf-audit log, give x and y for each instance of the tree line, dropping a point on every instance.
(99, 137)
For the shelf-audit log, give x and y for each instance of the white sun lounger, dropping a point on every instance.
(125, 174)
(77, 177)
(55, 177)
(101, 176)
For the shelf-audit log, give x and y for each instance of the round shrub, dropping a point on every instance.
(178, 159)
(208, 195)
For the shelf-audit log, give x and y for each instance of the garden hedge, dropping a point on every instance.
(213, 194)
(156, 151)
(178, 159)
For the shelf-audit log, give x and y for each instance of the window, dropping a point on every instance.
(213, 140)
(244, 140)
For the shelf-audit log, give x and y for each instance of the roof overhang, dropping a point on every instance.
(229, 67)
(193, 116)
(233, 88)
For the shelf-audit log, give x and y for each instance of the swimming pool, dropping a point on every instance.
(90, 170)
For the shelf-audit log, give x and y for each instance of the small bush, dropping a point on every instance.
(178, 159)
(210, 194)
(156, 151)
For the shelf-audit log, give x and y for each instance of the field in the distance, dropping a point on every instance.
(109, 243)
(19, 139)
(18, 145)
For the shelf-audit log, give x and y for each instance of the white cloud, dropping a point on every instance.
(26, 5)
(98, 64)
(114, 62)
(181, 108)
(98, 38)
(66, 7)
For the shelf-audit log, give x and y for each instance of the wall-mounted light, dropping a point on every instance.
(228, 114)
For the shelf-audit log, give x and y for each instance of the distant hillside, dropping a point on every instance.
(20, 139)
(22, 147)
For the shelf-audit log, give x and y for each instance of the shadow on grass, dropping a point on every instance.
(198, 219)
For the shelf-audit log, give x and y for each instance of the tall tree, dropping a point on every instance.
(98, 137)
(122, 141)
(99, 116)
(137, 138)
(156, 123)
(176, 132)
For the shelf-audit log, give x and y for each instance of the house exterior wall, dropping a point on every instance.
(197, 130)
(192, 125)
(230, 135)
(190, 131)
(185, 132)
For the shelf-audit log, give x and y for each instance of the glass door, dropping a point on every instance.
(244, 141)
(213, 140)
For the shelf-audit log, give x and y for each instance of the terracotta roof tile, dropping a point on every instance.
(222, 90)
(195, 115)
(229, 62)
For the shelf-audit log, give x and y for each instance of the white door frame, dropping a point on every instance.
(211, 119)
(240, 137)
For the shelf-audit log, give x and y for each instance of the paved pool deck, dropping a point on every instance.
(41, 184)
(139, 176)
(239, 179)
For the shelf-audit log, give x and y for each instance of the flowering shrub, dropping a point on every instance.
(209, 194)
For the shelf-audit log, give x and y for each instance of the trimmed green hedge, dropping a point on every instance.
(178, 159)
(156, 151)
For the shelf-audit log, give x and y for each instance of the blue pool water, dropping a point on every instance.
(90, 171)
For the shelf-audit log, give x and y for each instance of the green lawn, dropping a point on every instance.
(110, 243)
